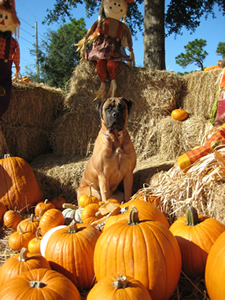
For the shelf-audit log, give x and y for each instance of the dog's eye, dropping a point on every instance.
(108, 107)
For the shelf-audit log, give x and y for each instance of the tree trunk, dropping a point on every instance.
(154, 35)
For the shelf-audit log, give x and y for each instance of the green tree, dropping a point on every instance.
(194, 54)
(178, 15)
(221, 49)
(58, 56)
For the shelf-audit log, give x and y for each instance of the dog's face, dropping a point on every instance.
(114, 111)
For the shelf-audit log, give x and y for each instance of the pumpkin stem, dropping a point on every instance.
(23, 254)
(90, 190)
(20, 229)
(69, 205)
(37, 233)
(133, 217)
(46, 201)
(120, 282)
(31, 218)
(73, 227)
(37, 284)
(192, 216)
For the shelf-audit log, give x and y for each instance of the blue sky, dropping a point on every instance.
(31, 11)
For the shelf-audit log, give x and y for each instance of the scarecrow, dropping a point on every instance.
(9, 51)
(106, 41)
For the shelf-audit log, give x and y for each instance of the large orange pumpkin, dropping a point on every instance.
(215, 269)
(70, 251)
(20, 188)
(145, 250)
(195, 235)
(87, 199)
(146, 210)
(90, 213)
(117, 288)
(24, 261)
(39, 284)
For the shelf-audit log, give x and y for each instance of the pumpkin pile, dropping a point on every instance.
(102, 250)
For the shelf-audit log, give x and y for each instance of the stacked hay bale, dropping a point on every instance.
(27, 124)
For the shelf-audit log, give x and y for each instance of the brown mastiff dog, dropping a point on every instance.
(113, 159)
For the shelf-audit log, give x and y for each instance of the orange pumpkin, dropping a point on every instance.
(117, 288)
(40, 284)
(215, 269)
(58, 202)
(195, 235)
(35, 244)
(11, 219)
(25, 79)
(51, 218)
(21, 189)
(84, 200)
(70, 251)
(42, 207)
(146, 211)
(90, 213)
(19, 239)
(29, 224)
(145, 250)
(24, 261)
(179, 114)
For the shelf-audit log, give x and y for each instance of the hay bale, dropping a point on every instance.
(176, 137)
(152, 91)
(28, 122)
(58, 175)
(33, 104)
(72, 137)
(200, 92)
(26, 142)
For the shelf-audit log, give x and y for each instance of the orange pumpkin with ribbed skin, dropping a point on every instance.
(215, 269)
(3, 210)
(58, 202)
(34, 245)
(195, 235)
(40, 284)
(24, 261)
(145, 250)
(51, 218)
(90, 213)
(42, 207)
(146, 211)
(20, 188)
(179, 114)
(84, 200)
(29, 224)
(117, 288)
(19, 239)
(11, 219)
(73, 256)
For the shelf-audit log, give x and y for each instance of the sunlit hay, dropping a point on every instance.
(6, 251)
(202, 185)
(26, 142)
(59, 175)
(201, 92)
(177, 137)
(74, 134)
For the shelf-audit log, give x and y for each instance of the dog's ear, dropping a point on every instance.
(99, 107)
(128, 103)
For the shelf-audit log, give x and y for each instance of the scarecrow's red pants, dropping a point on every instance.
(104, 66)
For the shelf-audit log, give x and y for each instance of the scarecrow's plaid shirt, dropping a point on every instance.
(14, 53)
